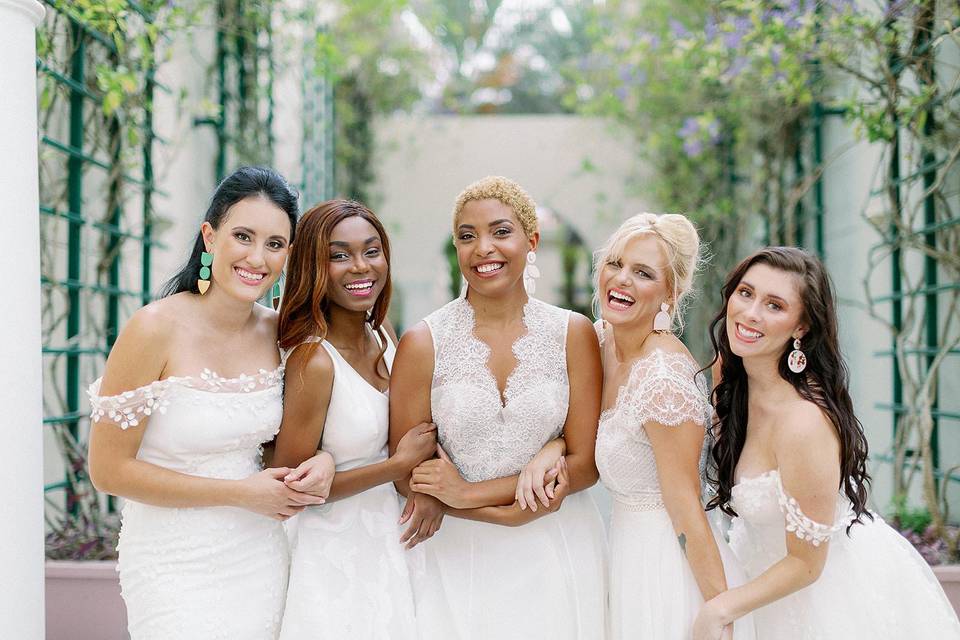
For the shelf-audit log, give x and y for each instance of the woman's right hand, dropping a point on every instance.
(416, 445)
(267, 494)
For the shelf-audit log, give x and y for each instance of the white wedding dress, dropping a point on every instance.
(653, 593)
(874, 586)
(348, 574)
(211, 572)
(475, 580)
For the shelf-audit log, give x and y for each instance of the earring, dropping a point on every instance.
(203, 283)
(661, 322)
(275, 295)
(797, 360)
(530, 273)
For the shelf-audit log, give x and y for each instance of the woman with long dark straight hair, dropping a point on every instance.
(348, 576)
(191, 390)
(790, 466)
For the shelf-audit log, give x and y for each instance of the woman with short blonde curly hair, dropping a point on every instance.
(506, 375)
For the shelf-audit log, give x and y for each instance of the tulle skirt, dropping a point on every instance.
(545, 579)
(653, 593)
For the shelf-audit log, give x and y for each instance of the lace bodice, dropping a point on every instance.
(766, 510)
(204, 425)
(484, 438)
(661, 387)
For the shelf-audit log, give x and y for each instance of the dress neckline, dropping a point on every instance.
(503, 396)
(386, 392)
(621, 390)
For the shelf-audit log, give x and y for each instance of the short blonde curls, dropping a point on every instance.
(682, 243)
(506, 191)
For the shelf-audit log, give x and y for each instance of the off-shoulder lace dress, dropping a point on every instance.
(477, 580)
(653, 593)
(212, 572)
(348, 573)
(874, 584)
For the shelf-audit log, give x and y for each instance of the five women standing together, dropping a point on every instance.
(485, 417)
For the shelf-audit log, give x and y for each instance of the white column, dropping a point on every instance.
(21, 471)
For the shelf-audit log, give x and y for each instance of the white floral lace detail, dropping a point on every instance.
(805, 528)
(662, 387)
(485, 437)
(129, 408)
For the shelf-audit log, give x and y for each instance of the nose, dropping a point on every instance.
(752, 312)
(484, 245)
(359, 264)
(623, 277)
(255, 256)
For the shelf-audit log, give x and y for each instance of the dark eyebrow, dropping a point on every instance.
(501, 221)
(466, 226)
(340, 243)
(247, 230)
(768, 295)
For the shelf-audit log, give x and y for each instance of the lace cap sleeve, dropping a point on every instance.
(129, 408)
(666, 388)
(806, 528)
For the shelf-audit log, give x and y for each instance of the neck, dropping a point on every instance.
(628, 338)
(347, 328)
(764, 381)
(225, 312)
(498, 310)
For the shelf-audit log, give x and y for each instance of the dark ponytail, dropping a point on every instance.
(245, 182)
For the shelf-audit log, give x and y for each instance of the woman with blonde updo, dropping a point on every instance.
(502, 374)
(664, 557)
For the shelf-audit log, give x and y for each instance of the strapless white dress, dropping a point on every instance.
(201, 573)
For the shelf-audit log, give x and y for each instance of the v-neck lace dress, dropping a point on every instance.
(874, 585)
(211, 572)
(348, 573)
(475, 580)
(653, 592)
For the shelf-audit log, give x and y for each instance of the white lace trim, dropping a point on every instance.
(129, 408)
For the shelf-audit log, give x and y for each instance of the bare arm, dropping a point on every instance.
(807, 452)
(137, 359)
(677, 451)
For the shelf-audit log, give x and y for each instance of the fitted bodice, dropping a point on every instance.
(765, 511)
(487, 438)
(203, 425)
(661, 387)
(358, 417)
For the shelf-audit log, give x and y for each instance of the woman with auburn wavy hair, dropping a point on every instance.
(790, 461)
(348, 576)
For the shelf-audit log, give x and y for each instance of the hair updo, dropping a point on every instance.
(506, 191)
(680, 240)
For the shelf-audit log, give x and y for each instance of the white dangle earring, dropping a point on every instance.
(797, 360)
(531, 273)
(661, 322)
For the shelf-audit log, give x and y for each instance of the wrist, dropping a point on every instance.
(233, 493)
(722, 609)
(397, 469)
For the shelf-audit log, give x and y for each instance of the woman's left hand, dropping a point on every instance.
(314, 475)
(709, 624)
(441, 479)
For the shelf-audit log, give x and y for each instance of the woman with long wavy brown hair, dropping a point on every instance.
(348, 576)
(790, 460)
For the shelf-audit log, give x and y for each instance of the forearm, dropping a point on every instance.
(354, 481)
(154, 485)
(508, 515)
(583, 470)
(696, 540)
(787, 576)
(491, 493)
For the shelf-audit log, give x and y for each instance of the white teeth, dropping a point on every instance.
(748, 333)
(487, 268)
(359, 285)
(621, 296)
(248, 275)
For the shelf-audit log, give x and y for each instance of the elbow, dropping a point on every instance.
(102, 480)
(809, 571)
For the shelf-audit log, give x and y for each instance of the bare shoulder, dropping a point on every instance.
(308, 366)
(390, 331)
(417, 342)
(141, 351)
(666, 342)
(580, 331)
(806, 435)
(267, 320)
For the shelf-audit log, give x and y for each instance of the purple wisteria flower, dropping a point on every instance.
(776, 54)
(678, 30)
(710, 28)
(690, 128)
(621, 93)
(693, 148)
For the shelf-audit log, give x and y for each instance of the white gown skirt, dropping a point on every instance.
(653, 593)
(201, 574)
(545, 579)
(874, 585)
(348, 572)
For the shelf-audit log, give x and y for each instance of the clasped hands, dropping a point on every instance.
(281, 492)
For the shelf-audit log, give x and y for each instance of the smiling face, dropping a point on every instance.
(765, 313)
(357, 268)
(635, 283)
(249, 248)
(491, 246)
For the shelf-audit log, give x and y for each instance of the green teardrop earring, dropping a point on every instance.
(275, 295)
(203, 283)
